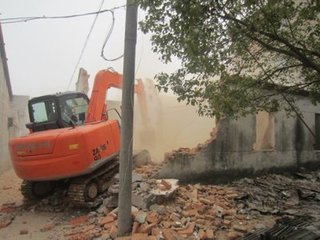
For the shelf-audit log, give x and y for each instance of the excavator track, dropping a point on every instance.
(86, 191)
(36, 190)
(26, 190)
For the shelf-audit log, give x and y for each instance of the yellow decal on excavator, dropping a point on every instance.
(73, 146)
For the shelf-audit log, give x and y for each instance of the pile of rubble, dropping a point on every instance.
(190, 152)
(168, 211)
(297, 195)
(163, 209)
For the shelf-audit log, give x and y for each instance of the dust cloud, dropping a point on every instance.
(163, 124)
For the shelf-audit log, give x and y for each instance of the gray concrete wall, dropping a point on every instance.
(231, 154)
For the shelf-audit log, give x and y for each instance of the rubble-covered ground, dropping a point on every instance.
(163, 209)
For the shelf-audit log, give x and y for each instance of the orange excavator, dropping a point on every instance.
(71, 140)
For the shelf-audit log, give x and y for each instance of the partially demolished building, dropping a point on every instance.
(250, 145)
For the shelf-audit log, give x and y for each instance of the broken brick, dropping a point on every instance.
(227, 223)
(139, 236)
(107, 219)
(233, 235)
(110, 225)
(169, 234)
(156, 232)
(135, 227)
(152, 238)
(166, 184)
(122, 238)
(188, 230)
(166, 224)
(190, 213)
(210, 234)
(113, 231)
(240, 228)
(202, 235)
(152, 217)
(78, 220)
(146, 228)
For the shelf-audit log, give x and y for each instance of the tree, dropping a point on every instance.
(233, 51)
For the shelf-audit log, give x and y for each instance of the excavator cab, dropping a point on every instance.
(57, 111)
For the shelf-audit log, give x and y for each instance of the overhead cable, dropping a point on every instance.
(27, 19)
(85, 44)
(107, 39)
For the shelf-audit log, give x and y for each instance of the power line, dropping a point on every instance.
(27, 19)
(85, 43)
(107, 39)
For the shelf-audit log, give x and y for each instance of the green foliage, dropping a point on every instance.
(232, 52)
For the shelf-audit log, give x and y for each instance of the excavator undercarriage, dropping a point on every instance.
(82, 191)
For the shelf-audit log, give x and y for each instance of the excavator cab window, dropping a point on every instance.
(57, 111)
(73, 109)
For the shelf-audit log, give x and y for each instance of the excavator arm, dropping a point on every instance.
(104, 80)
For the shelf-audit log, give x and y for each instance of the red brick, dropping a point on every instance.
(233, 235)
(78, 220)
(139, 236)
(227, 222)
(198, 206)
(166, 184)
(190, 213)
(135, 227)
(107, 219)
(146, 228)
(210, 234)
(189, 230)
(205, 201)
(152, 238)
(123, 238)
(168, 234)
(202, 234)
(240, 228)
(110, 225)
(156, 232)
(166, 224)
(88, 228)
(152, 217)
(113, 231)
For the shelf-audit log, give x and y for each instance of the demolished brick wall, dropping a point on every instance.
(230, 153)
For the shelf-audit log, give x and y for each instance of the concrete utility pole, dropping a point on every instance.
(125, 201)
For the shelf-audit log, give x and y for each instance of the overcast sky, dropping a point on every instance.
(42, 54)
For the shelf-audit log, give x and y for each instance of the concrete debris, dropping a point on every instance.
(189, 212)
(198, 211)
(141, 158)
(279, 194)
(163, 209)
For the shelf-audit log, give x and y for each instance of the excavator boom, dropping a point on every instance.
(104, 80)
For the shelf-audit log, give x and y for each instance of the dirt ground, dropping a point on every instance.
(20, 222)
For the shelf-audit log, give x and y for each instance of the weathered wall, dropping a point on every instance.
(20, 116)
(4, 114)
(13, 110)
(232, 153)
